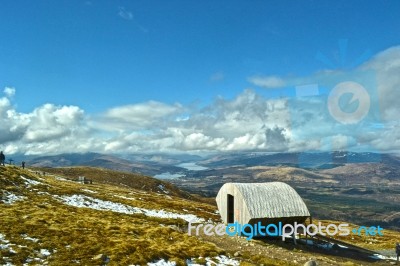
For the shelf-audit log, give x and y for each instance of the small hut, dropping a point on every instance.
(268, 203)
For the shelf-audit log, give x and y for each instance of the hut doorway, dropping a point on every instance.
(230, 208)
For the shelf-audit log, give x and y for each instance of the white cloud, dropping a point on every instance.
(386, 66)
(52, 122)
(268, 82)
(137, 116)
(247, 122)
(125, 14)
(9, 92)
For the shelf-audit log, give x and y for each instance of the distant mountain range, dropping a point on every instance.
(146, 167)
(153, 164)
(315, 160)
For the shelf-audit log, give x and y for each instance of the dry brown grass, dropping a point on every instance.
(78, 235)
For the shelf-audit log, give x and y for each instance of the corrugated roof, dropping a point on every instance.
(272, 200)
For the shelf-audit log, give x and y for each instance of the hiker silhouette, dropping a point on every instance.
(398, 251)
(2, 158)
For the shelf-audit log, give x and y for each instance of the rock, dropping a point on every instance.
(311, 263)
(393, 263)
(237, 254)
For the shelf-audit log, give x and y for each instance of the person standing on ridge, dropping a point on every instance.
(2, 158)
(23, 165)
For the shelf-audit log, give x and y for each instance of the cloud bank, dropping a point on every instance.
(250, 121)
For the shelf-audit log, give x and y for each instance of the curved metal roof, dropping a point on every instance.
(272, 200)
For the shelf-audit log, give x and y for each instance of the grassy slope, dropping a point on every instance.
(103, 175)
(75, 235)
(79, 234)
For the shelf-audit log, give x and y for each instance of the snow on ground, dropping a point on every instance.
(223, 260)
(6, 245)
(30, 182)
(26, 237)
(3, 240)
(45, 252)
(82, 201)
(9, 198)
(162, 263)
(216, 261)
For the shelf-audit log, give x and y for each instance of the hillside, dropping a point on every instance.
(49, 219)
(106, 176)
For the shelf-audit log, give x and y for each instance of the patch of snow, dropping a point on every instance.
(9, 198)
(3, 238)
(6, 245)
(162, 263)
(217, 261)
(29, 260)
(26, 237)
(89, 191)
(30, 182)
(45, 252)
(82, 201)
(223, 260)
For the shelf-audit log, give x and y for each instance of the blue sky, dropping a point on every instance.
(103, 55)
(85, 53)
